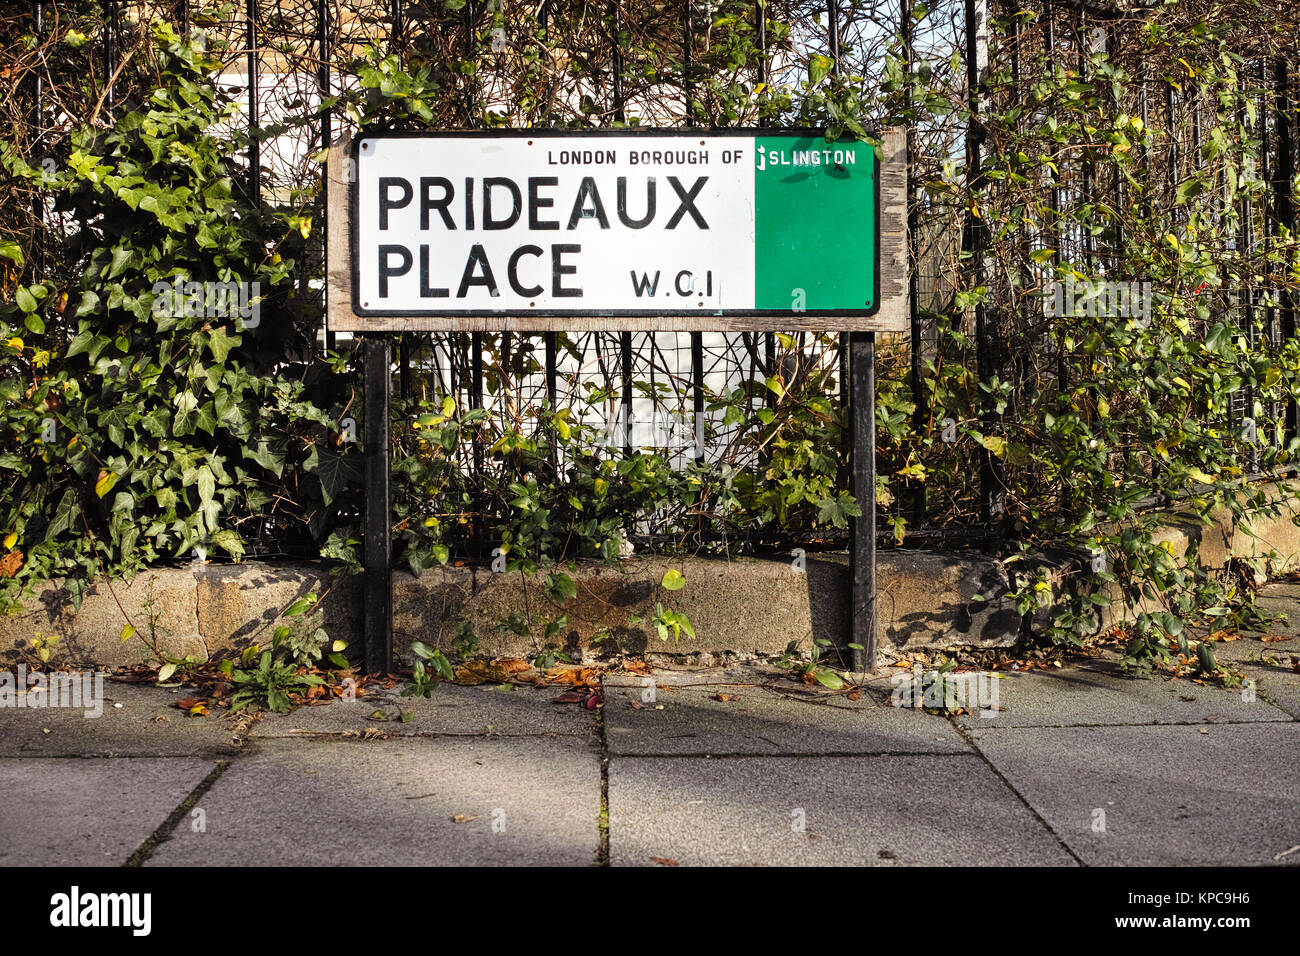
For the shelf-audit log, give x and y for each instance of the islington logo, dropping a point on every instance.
(209, 300)
(84, 689)
(75, 909)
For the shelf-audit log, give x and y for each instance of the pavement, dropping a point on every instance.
(1079, 765)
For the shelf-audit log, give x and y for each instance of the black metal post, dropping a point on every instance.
(476, 369)
(323, 69)
(37, 130)
(687, 41)
(552, 347)
(476, 391)
(377, 593)
(841, 340)
(254, 145)
(917, 344)
(403, 341)
(697, 392)
(1085, 166)
(1170, 117)
(769, 338)
(833, 28)
(974, 241)
(110, 52)
(550, 340)
(326, 129)
(616, 25)
(625, 353)
(1270, 318)
(544, 21)
(862, 529)
(1285, 211)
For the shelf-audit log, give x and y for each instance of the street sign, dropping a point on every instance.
(541, 230)
(617, 230)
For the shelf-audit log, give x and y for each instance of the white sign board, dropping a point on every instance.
(695, 230)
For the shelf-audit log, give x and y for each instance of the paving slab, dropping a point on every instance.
(146, 724)
(1099, 694)
(1277, 684)
(1270, 664)
(1249, 647)
(794, 811)
(1160, 796)
(766, 717)
(392, 803)
(1281, 595)
(508, 710)
(67, 811)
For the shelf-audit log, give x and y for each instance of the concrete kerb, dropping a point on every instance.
(746, 606)
(1264, 545)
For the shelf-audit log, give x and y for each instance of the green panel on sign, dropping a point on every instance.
(814, 224)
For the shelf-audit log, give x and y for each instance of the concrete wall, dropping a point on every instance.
(748, 606)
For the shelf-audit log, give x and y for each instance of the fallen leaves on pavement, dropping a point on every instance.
(10, 564)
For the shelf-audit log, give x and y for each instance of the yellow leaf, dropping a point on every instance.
(1201, 476)
(16, 344)
(11, 539)
(104, 485)
(128, 632)
(304, 226)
